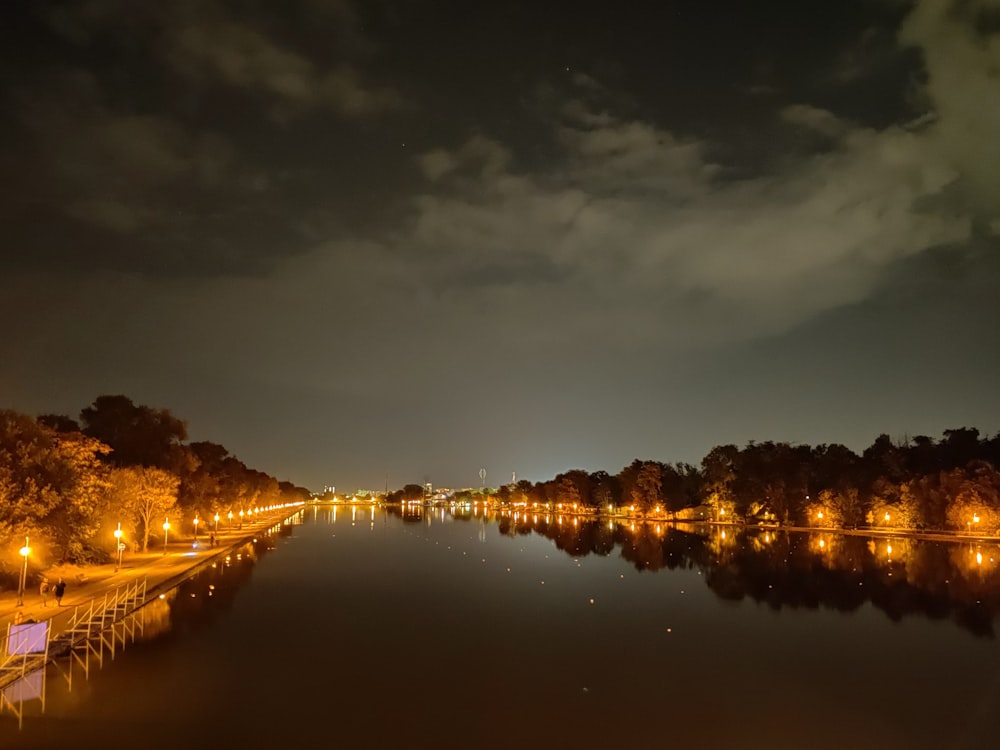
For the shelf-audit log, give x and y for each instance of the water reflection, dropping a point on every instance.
(900, 576)
(193, 604)
(448, 622)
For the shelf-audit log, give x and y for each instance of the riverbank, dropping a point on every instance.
(160, 567)
(626, 518)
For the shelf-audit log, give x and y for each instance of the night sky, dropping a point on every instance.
(391, 240)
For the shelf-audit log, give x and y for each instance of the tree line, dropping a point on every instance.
(67, 483)
(951, 483)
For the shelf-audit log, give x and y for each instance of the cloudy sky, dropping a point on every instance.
(403, 240)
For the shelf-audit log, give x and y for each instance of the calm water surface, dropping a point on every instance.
(355, 628)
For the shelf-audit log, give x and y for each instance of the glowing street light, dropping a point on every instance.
(241, 519)
(887, 516)
(166, 533)
(24, 551)
(216, 523)
(230, 520)
(196, 528)
(118, 547)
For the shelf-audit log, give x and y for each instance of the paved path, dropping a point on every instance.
(158, 568)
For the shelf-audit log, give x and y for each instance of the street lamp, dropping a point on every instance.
(216, 523)
(25, 551)
(166, 533)
(241, 519)
(118, 546)
(196, 528)
(230, 520)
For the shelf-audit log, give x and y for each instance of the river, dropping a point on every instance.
(438, 627)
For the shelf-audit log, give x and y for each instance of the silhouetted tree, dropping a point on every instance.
(138, 435)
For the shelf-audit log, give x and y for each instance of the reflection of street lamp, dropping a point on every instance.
(25, 551)
(166, 532)
(118, 546)
(196, 528)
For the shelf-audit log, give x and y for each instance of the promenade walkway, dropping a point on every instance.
(161, 568)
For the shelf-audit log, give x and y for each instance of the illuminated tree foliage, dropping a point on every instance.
(145, 497)
(916, 483)
(67, 484)
(51, 485)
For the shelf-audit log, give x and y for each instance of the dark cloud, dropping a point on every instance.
(346, 236)
(116, 141)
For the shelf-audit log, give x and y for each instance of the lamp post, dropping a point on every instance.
(25, 551)
(196, 529)
(118, 547)
(216, 523)
(230, 520)
(166, 533)
(241, 519)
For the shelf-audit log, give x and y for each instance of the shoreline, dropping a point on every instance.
(182, 560)
(162, 569)
(626, 518)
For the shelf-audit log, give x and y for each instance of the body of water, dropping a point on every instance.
(435, 627)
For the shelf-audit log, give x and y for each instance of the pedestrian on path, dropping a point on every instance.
(60, 590)
(43, 589)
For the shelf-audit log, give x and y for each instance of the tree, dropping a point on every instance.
(606, 490)
(51, 484)
(144, 495)
(58, 422)
(681, 486)
(413, 492)
(138, 435)
(973, 498)
(648, 490)
(572, 487)
(567, 493)
(82, 486)
(718, 472)
(959, 447)
(522, 491)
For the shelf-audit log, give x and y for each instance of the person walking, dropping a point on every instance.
(60, 590)
(43, 589)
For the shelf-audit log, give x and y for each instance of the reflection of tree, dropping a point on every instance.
(900, 576)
